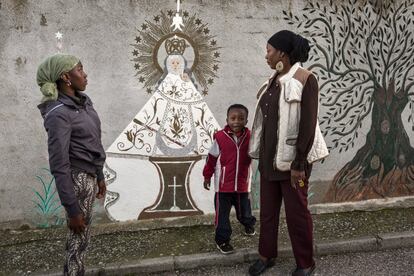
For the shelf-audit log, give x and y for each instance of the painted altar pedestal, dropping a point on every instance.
(174, 197)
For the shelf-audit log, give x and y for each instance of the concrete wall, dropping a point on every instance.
(101, 33)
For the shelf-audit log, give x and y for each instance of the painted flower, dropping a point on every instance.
(375, 162)
(385, 126)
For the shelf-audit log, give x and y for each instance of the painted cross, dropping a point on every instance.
(178, 5)
(175, 207)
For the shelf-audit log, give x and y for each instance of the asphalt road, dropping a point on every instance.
(391, 262)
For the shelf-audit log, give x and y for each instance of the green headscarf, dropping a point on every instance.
(49, 72)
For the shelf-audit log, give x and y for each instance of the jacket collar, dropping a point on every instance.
(289, 75)
(286, 77)
(228, 131)
(67, 100)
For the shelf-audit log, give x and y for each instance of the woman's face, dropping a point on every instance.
(175, 63)
(273, 56)
(78, 78)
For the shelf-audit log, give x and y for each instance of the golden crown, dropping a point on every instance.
(175, 46)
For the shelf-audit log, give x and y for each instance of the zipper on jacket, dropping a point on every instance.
(237, 169)
(237, 158)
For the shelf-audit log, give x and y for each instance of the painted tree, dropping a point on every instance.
(363, 55)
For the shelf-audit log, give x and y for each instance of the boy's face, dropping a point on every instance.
(236, 119)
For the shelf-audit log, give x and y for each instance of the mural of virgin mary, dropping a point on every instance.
(174, 123)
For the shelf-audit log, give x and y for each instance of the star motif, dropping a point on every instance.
(136, 66)
(185, 14)
(157, 18)
(149, 91)
(215, 67)
(216, 54)
(213, 42)
(205, 92)
(138, 39)
(135, 52)
(210, 81)
(141, 79)
(206, 30)
(170, 13)
(198, 21)
(144, 26)
(59, 35)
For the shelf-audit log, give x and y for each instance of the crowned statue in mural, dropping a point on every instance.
(153, 166)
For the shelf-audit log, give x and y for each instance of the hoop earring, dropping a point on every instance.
(279, 66)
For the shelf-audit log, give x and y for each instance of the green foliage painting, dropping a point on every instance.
(47, 204)
(363, 55)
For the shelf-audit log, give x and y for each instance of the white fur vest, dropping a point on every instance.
(291, 87)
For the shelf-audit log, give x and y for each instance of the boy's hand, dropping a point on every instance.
(207, 184)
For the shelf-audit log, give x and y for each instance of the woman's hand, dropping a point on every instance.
(102, 189)
(77, 224)
(297, 177)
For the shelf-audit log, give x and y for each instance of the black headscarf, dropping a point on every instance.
(294, 45)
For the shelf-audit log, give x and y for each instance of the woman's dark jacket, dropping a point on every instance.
(74, 143)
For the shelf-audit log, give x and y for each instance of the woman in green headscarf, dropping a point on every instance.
(76, 155)
(50, 72)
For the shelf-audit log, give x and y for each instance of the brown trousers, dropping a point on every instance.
(298, 218)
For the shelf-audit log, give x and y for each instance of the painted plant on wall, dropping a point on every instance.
(363, 56)
(46, 201)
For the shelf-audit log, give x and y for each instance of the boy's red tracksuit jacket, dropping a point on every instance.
(228, 160)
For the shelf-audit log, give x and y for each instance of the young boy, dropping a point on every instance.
(229, 162)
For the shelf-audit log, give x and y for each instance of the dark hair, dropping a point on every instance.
(237, 106)
(294, 45)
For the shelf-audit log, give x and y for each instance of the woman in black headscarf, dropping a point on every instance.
(286, 139)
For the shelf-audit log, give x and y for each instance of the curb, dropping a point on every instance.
(187, 262)
(364, 205)
(208, 219)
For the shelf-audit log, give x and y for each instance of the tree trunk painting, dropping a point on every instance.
(363, 57)
(384, 166)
